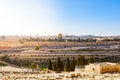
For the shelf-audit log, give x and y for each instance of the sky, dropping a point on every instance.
(50, 17)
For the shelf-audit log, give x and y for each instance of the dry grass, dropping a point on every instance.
(10, 44)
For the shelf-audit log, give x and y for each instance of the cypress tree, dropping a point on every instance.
(49, 64)
(67, 64)
(118, 48)
(62, 66)
(81, 61)
(54, 66)
(58, 65)
(78, 61)
(91, 59)
(73, 63)
(78, 40)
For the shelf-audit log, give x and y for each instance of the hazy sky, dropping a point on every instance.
(44, 17)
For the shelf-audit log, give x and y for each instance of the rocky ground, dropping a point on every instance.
(50, 75)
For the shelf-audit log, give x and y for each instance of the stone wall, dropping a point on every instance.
(102, 68)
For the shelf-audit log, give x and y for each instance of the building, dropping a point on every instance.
(101, 68)
(60, 37)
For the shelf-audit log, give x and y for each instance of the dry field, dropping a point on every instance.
(11, 44)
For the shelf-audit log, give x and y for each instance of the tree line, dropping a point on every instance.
(68, 65)
(58, 65)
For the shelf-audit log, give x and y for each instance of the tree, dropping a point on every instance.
(118, 48)
(61, 66)
(67, 64)
(49, 64)
(58, 65)
(54, 66)
(37, 47)
(73, 63)
(78, 40)
(33, 65)
(81, 61)
(91, 59)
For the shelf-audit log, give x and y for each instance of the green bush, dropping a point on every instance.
(37, 48)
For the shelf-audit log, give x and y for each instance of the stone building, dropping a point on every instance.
(101, 68)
